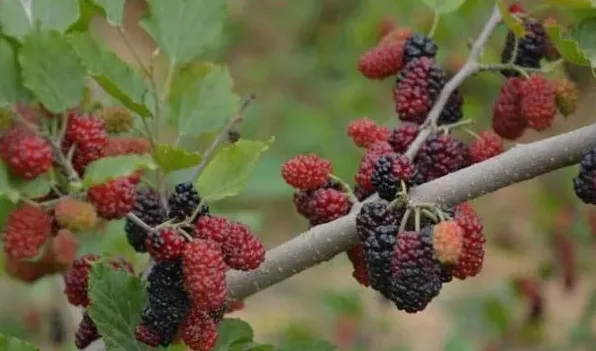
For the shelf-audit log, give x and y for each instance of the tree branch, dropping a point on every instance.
(323, 242)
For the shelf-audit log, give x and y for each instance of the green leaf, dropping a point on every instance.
(8, 343)
(11, 88)
(52, 71)
(116, 77)
(20, 17)
(184, 29)
(577, 4)
(114, 10)
(117, 299)
(227, 173)
(444, 6)
(108, 168)
(250, 346)
(170, 158)
(36, 188)
(6, 190)
(318, 345)
(202, 99)
(512, 23)
(583, 33)
(231, 331)
(567, 46)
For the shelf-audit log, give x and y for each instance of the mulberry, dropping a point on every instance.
(379, 248)
(417, 86)
(531, 48)
(114, 199)
(75, 214)
(440, 155)
(116, 119)
(508, 121)
(372, 215)
(402, 136)
(389, 172)
(538, 102)
(241, 249)
(447, 238)
(417, 46)
(86, 332)
(27, 230)
(367, 164)
(365, 131)
(567, 96)
(306, 172)
(199, 331)
(25, 154)
(416, 273)
(327, 205)
(165, 244)
(88, 135)
(488, 144)
(183, 202)
(383, 61)
(204, 273)
(472, 254)
(149, 209)
(584, 184)
(357, 257)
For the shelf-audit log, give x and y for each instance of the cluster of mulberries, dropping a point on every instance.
(584, 184)
(410, 266)
(531, 48)
(318, 197)
(533, 103)
(192, 249)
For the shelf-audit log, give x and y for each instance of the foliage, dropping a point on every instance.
(49, 55)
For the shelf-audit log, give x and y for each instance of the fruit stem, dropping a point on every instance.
(429, 214)
(136, 220)
(221, 137)
(195, 213)
(471, 132)
(434, 26)
(185, 234)
(417, 219)
(503, 66)
(404, 220)
(459, 124)
(347, 188)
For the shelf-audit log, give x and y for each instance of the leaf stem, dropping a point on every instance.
(221, 137)
(435, 25)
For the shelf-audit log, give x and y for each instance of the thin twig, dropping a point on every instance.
(221, 137)
(136, 220)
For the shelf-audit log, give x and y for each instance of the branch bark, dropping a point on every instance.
(324, 242)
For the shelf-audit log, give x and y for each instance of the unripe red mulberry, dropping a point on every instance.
(381, 62)
(127, 146)
(400, 34)
(508, 121)
(117, 119)
(27, 229)
(327, 205)
(26, 154)
(241, 249)
(113, 199)
(75, 214)
(88, 135)
(472, 255)
(204, 273)
(364, 132)
(488, 144)
(306, 171)
(199, 331)
(538, 102)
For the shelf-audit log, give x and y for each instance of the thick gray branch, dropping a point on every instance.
(325, 241)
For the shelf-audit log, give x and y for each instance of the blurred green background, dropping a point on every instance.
(299, 58)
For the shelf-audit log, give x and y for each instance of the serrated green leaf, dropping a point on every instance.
(184, 29)
(20, 17)
(8, 343)
(512, 23)
(108, 168)
(319, 345)
(6, 189)
(231, 331)
(444, 6)
(11, 87)
(117, 299)
(227, 173)
(52, 71)
(577, 4)
(36, 188)
(170, 158)
(114, 10)
(583, 33)
(115, 77)
(202, 99)
(568, 47)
